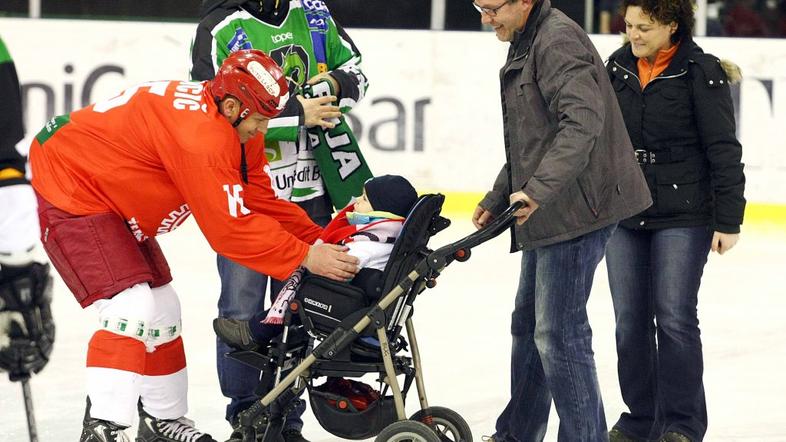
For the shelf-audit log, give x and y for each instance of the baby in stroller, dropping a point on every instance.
(368, 227)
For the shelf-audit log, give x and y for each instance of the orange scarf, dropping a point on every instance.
(649, 71)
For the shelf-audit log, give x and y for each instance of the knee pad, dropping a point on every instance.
(166, 324)
(151, 316)
(129, 313)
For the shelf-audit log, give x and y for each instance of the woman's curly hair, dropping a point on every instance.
(665, 12)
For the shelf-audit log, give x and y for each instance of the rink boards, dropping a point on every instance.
(432, 111)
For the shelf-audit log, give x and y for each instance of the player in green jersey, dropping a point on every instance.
(319, 58)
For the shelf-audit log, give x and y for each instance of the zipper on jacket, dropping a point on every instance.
(667, 77)
(661, 77)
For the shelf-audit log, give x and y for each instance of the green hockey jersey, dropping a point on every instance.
(289, 37)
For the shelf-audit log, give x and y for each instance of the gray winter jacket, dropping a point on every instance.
(565, 140)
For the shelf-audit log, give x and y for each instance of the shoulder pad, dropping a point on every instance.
(712, 70)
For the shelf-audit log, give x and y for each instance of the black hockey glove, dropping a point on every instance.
(26, 327)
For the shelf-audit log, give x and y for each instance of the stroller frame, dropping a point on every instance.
(273, 406)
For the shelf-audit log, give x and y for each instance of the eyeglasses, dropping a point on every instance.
(491, 12)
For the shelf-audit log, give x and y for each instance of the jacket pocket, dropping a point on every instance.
(589, 193)
(680, 189)
(571, 211)
(676, 100)
(532, 106)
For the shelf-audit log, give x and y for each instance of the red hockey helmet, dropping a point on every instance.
(255, 79)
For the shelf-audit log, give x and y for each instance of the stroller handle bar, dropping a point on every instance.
(460, 250)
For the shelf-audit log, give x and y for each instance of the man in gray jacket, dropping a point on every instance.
(569, 159)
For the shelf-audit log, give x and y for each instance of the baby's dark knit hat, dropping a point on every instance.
(391, 193)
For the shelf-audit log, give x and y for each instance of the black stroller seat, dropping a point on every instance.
(326, 304)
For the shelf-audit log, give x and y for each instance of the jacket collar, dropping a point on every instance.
(687, 50)
(269, 11)
(523, 39)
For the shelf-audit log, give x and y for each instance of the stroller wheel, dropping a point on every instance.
(407, 431)
(446, 423)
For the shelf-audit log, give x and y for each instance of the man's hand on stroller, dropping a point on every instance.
(331, 261)
(530, 205)
(481, 217)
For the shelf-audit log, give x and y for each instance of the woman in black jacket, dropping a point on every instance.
(678, 110)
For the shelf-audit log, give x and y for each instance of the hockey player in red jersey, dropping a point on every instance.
(112, 176)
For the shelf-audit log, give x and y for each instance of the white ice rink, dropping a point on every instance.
(463, 332)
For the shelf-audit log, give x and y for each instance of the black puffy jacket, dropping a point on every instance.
(682, 126)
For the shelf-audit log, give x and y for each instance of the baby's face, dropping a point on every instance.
(362, 205)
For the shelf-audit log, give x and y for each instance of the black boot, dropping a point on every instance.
(235, 332)
(616, 435)
(673, 436)
(293, 435)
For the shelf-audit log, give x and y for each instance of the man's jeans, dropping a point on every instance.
(242, 295)
(655, 274)
(552, 344)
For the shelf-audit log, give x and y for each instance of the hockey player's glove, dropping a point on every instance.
(27, 330)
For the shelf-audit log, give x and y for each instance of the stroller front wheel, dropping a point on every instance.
(446, 423)
(406, 431)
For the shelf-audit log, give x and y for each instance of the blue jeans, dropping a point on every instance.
(654, 277)
(552, 344)
(242, 295)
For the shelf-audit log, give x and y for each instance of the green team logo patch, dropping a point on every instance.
(51, 127)
(293, 60)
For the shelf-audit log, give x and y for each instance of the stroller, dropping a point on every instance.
(358, 331)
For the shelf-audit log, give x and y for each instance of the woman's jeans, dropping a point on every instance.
(552, 344)
(654, 277)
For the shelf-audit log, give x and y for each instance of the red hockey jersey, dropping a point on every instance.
(159, 152)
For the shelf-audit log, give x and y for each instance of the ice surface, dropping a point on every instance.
(463, 331)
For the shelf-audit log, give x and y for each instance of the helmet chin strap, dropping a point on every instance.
(240, 118)
(243, 165)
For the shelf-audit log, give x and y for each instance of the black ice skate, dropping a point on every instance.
(152, 429)
(97, 430)
(235, 333)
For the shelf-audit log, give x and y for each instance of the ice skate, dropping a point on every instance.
(98, 430)
(182, 429)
